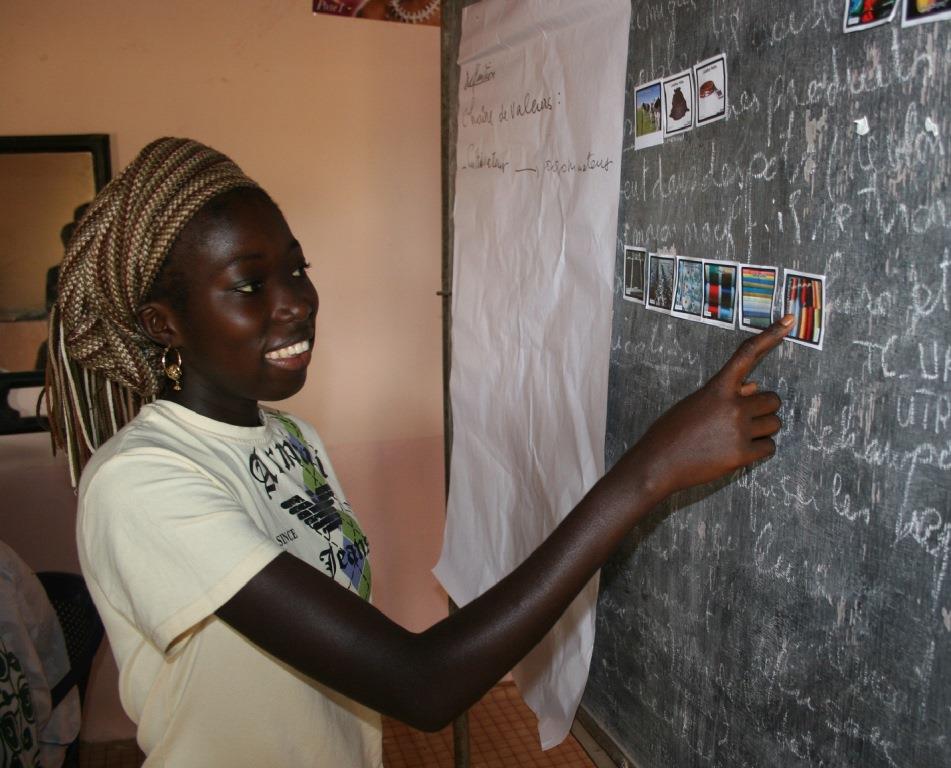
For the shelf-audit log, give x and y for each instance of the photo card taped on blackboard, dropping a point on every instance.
(688, 288)
(924, 11)
(635, 261)
(719, 293)
(710, 78)
(678, 103)
(660, 282)
(865, 14)
(758, 284)
(648, 115)
(804, 297)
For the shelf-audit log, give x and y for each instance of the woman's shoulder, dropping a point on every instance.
(168, 437)
(148, 430)
(151, 437)
(167, 434)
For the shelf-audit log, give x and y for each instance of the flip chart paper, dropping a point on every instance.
(541, 112)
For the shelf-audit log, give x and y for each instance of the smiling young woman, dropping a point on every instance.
(245, 328)
(231, 573)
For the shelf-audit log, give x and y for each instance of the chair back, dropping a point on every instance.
(81, 625)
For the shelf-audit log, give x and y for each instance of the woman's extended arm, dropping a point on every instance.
(300, 616)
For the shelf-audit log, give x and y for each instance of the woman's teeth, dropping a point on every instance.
(294, 349)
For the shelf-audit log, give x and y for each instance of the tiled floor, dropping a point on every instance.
(502, 734)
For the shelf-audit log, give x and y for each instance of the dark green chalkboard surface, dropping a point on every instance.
(798, 614)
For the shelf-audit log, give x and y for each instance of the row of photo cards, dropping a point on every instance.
(867, 14)
(678, 103)
(726, 294)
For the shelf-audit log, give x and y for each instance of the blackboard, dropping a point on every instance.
(800, 613)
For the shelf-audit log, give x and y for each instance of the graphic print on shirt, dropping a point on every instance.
(345, 557)
(18, 742)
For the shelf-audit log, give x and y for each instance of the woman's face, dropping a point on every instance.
(246, 326)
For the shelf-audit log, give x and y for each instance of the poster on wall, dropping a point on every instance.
(428, 12)
(538, 170)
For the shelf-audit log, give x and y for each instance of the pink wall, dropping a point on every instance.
(339, 121)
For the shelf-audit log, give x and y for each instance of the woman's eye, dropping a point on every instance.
(299, 272)
(249, 287)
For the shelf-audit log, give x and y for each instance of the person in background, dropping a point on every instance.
(39, 703)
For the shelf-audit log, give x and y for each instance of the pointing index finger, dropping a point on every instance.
(738, 368)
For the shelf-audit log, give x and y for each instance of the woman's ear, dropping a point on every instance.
(159, 324)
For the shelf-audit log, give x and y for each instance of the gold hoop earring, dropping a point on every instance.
(173, 371)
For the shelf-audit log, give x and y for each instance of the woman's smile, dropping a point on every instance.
(291, 357)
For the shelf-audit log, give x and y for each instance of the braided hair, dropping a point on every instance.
(102, 366)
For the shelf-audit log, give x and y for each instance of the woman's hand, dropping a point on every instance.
(724, 425)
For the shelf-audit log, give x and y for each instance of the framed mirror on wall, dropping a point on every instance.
(45, 184)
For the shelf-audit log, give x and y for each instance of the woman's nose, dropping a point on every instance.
(297, 301)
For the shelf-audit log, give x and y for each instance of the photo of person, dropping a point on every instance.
(219, 548)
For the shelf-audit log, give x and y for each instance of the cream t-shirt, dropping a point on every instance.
(177, 513)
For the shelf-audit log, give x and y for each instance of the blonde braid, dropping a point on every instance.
(102, 367)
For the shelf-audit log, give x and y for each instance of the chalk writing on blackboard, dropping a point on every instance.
(799, 615)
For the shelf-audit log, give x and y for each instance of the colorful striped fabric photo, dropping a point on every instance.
(757, 295)
(804, 298)
(719, 293)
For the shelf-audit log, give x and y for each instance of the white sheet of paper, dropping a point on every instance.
(541, 113)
